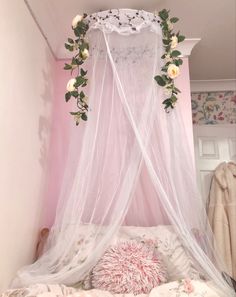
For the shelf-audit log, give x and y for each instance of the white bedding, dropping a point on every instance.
(176, 259)
(184, 288)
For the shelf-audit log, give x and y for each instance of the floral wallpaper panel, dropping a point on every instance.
(214, 108)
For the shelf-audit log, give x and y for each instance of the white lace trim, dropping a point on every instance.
(124, 21)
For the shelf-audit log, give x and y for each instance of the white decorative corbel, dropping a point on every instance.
(187, 45)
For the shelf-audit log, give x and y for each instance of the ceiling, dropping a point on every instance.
(214, 21)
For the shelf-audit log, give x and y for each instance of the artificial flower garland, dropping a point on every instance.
(170, 69)
(172, 60)
(81, 46)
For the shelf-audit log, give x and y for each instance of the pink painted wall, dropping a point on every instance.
(26, 92)
(58, 145)
(61, 129)
(183, 83)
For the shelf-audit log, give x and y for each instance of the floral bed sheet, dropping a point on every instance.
(183, 288)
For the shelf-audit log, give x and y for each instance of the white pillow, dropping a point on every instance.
(175, 258)
(177, 261)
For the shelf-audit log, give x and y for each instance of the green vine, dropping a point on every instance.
(170, 70)
(172, 59)
(75, 85)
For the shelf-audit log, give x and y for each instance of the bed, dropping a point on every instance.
(182, 278)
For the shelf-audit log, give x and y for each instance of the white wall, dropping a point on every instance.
(26, 91)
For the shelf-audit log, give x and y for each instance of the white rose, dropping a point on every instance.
(173, 71)
(168, 58)
(70, 85)
(75, 46)
(167, 92)
(77, 118)
(85, 54)
(76, 20)
(170, 25)
(85, 99)
(156, 12)
(174, 41)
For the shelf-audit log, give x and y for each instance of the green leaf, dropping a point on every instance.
(163, 14)
(83, 46)
(178, 90)
(79, 81)
(164, 69)
(84, 117)
(67, 96)
(174, 20)
(167, 79)
(70, 40)
(175, 53)
(74, 62)
(161, 82)
(74, 94)
(74, 113)
(166, 101)
(83, 72)
(181, 38)
(168, 48)
(82, 95)
(165, 28)
(69, 47)
(178, 62)
(174, 98)
(67, 67)
(166, 41)
(79, 30)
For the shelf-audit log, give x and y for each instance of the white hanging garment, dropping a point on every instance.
(222, 213)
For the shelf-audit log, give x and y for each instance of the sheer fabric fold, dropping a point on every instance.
(135, 166)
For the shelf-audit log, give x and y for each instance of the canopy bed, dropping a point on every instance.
(129, 219)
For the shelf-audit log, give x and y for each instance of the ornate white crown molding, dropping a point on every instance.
(213, 85)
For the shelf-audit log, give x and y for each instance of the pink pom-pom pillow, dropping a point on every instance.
(129, 267)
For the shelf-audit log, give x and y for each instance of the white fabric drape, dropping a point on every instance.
(128, 138)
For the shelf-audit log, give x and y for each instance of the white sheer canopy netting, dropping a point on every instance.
(124, 21)
(136, 165)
